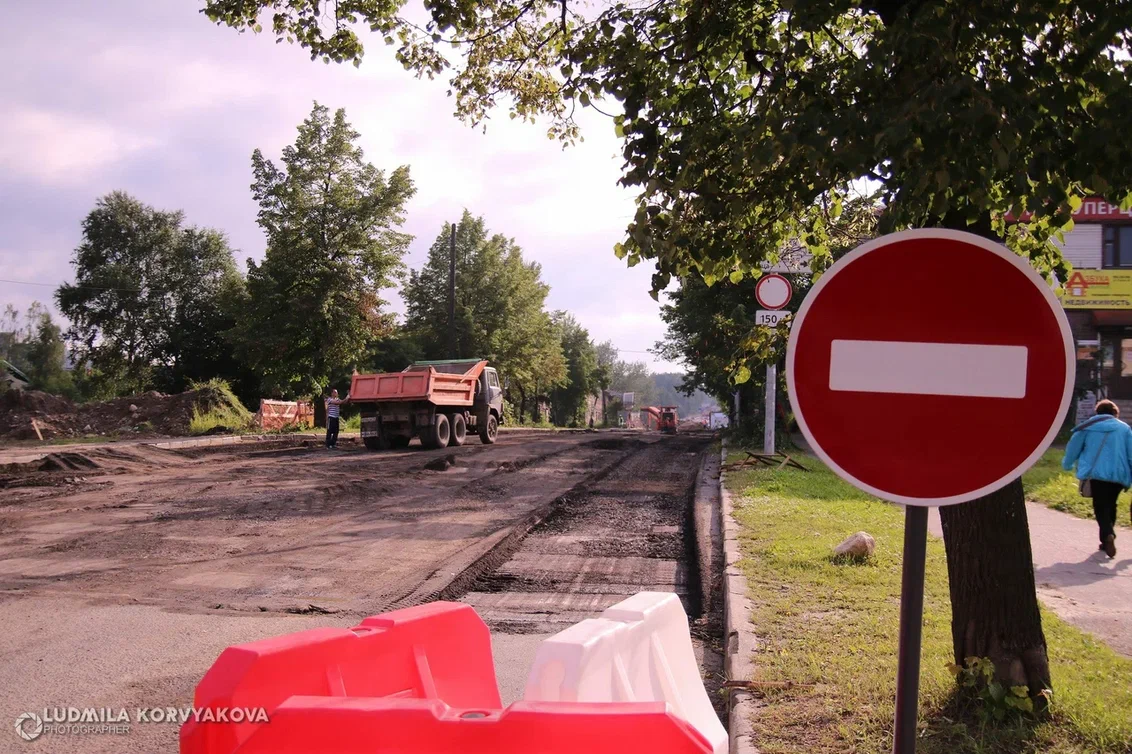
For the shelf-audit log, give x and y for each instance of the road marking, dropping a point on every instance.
(961, 369)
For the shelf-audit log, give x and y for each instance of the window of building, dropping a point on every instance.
(1118, 246)
(1108, 355)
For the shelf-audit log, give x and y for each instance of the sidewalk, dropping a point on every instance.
(1074, 579)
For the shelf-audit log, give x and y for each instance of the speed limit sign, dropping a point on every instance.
(770, 318)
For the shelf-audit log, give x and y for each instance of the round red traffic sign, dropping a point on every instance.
(773, 291)
(930, 367)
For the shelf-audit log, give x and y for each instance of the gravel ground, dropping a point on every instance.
(121, 581)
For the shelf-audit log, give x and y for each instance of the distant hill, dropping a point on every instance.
(667, 395)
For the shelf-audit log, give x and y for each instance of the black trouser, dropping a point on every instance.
(1104, 505)
(332, 435)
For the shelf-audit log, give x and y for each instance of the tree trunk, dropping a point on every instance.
(520, 408)
(994, 607)
(990, 567)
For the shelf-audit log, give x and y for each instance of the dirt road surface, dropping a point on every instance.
(124, 572)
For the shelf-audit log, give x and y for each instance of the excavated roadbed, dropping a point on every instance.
(125, 570)
(630, 529)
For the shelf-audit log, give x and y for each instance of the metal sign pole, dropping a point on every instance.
(911, 628)
(768, 425)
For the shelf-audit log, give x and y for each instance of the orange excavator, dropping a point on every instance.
(663, 418)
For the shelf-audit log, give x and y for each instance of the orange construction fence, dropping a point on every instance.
(304, 725)
(413, 681)
(283, 414)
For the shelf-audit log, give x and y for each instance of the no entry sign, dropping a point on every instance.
(930, 367)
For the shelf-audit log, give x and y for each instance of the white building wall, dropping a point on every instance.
(1082, 246)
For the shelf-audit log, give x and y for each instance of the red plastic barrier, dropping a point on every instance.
(312, 725)
(439, 651)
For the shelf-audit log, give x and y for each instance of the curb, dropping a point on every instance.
(200, 442)
(739, 636)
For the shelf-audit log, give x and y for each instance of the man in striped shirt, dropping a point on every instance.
(333, 410)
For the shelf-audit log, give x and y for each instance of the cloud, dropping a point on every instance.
(152, 99)
(55, 148)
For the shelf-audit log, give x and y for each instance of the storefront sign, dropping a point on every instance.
(1099, 211)
(1097, 289)
(1091, 211)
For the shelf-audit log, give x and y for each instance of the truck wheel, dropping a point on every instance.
(459, 431)
(439, 432)
(489, 429)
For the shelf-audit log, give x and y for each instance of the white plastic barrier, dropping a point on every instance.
(639, 650)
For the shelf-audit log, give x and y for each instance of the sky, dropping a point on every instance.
(149, 97)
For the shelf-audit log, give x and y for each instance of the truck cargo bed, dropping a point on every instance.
(418, 383)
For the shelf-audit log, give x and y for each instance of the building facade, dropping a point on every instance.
(1098, 301)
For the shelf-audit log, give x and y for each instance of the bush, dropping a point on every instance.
(216, 406)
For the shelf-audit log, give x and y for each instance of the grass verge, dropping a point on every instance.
(834, 628)
(1048, 484)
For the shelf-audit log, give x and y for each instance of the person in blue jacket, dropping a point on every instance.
(1101, 448)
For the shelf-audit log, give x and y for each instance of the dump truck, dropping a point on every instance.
(438, 401)
(667, 423)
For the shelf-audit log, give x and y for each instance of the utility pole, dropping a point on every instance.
(768, 425)
(452, 296)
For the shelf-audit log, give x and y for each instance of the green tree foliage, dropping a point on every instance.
(712, 328)
(568, 401)
(671, 391)
(744, 123)
(45, 356)
(205, 289)
(149, 298)
(617, 377)
(313, 306)
(33, 343)
(603, 376)
(499, 311)
(393, 352)
(707, 327)
(633, 377)
(16, 333)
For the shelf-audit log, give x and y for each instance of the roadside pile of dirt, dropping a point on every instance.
(150, 413)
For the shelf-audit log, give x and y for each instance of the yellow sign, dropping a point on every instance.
(1097, 289)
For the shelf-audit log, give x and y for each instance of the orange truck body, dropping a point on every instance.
(419, 383)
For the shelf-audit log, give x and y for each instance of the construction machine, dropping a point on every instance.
(437, 401)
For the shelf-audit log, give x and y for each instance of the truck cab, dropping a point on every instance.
(490, 392)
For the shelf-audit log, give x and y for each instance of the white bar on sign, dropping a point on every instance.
(961, 369)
